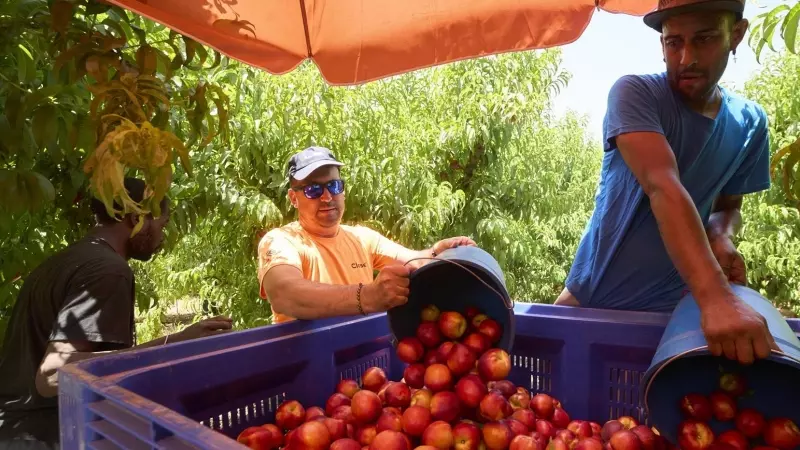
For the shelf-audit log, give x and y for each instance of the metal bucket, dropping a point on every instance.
(682, 365)
(460, 277)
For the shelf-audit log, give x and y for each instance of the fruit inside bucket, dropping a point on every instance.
(751, 399)
(475, 284)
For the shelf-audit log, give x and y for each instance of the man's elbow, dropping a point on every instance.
(279, 300)
(46, 384)
(662, 184)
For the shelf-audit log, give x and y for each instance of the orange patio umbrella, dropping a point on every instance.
(355, 41)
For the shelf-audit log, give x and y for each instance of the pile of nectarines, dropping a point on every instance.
(748, 426)
(454, 394)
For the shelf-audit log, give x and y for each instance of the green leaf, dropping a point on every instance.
(191, 48)
(140, 34)
(26, 68)
(44, 125)
(10, 199)
(147, 59)
(771, 23)
(116, 26)
(13, 106)
(790, 29)
(86, 135)
(33, 99)
(45, 190)
(94, 8)
(61, 13)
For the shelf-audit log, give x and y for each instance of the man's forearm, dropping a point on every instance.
(686, 242)
(47, 378)
(303, 299)
(418, 258)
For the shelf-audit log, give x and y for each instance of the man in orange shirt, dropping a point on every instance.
(316, 267)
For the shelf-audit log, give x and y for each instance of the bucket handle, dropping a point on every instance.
(508, 302)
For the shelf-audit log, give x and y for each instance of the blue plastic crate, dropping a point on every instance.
(201, 394)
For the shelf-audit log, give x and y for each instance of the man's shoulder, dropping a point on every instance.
(84, 261)
(94, 255)
(290, 231)
(654, 84)
(750, 112)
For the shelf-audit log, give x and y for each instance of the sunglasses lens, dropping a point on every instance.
(313, 191)
(336, 187)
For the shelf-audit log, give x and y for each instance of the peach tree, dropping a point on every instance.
(90, 93)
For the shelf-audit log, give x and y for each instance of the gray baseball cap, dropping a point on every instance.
(308, 160)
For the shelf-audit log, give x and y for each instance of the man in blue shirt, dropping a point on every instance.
(680, 152)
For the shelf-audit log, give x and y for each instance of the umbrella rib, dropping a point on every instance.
(305, 26)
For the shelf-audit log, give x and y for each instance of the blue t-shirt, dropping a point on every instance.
(621, 262)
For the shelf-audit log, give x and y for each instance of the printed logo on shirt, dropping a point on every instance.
(358, 265)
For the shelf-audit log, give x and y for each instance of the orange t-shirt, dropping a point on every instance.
(350, 257)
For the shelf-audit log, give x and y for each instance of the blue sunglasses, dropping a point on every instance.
(315, 190)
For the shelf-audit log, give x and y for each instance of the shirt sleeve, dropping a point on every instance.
(753, 174)
(382, 250)
(275, 249)
(98, 308)
(632, 108)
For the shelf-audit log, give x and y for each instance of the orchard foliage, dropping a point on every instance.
(783, 21)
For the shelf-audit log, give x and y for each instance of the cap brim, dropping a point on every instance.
(306, 171)
(656, 18)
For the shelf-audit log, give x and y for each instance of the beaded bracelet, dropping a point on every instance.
(358, 299)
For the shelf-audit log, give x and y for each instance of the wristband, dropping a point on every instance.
(358, 299)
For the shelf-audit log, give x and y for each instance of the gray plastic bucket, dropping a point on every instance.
(454, 287)
(682, 365)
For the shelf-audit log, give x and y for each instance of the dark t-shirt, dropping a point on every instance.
(83, 293)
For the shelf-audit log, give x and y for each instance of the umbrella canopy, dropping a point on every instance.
(355, 41)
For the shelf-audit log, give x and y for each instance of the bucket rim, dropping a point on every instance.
(499, 289)
(778, 356)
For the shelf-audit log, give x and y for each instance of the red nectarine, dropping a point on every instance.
(782, 433)
(470, 390)
(348, 388)
(466, 436)
(410, 350)
(491, 329)
(373, 379)
(414, 375)
(452, 324)
(415, 420)
(439, 434)
(494, 365)
(290, 415)
(445, 406)
(438, 377)
(750, 422)
(694, 435)
(496, 436)
(366, 407)
(428, 333)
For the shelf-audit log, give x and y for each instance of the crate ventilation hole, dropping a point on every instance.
(245, 414)
(623, 394)
(541, 372)
(355, 373)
